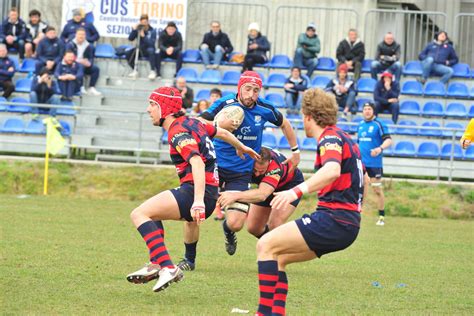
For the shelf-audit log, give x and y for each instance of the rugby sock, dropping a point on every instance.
(226, 228)
(266, 230)
(267, 279)
(382, 213)
(152, 233)
(279, 299)
(190, 253)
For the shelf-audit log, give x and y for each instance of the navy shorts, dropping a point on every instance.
(323, 234)
(297, 180)
(234, 181)
(376, 173)
(184, 195)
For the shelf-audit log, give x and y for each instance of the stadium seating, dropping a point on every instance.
(309, 144)
(412, 68)
(230, 77)
(410, 107)
(469, 153)
(23, 85)
(446, 151)
(346, 128)
(13, 125)
(276, 80)
(66, 111)
(456, 110)
(357, 120)
(450, 133)
(164, 137)
(269, 140)
(458, 90)
(428, 150)
(19, 108)
(361, 102)
(3, 107)
(471, 112)
(227, 92)
(192, 56)
(320, 82)
(366, 85)
(28, 65)
(433, 109)
(326, 64)
(15, 60)
(471, 94)
(435, 89)
(280, 61)
(65, 128)
(461, 70)
(412, 88)
(277, 99)
(202, 94)
(404, 149)
(283, 143)
(35, 127)
(366, 63)
(104, 50)
(189, 74)
(210, 76)
(430, 132)
(407, 130)
(229, 62)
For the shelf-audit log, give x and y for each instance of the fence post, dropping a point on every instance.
(140, 128)
(451, 158)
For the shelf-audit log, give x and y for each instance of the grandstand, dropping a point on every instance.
(115, 126)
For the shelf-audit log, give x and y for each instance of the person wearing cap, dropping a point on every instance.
(42, 91)
(13, 32)
(344, 90)
(307, 50)
(36, 29)
(147, 46)
(386, 94)
(257, 47)
(7, 71)
(373, 138)
(77, 21)
(387, 58)
(351, 51)
(438, 58)
(49, 52)
(215, 45)
(170, 45)
(194, 157)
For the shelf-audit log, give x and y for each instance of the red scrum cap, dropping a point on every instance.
(249, 77)
(169, 99)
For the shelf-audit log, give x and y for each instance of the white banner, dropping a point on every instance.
(115, 18)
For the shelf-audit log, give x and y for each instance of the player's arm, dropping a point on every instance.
(290, 135)
(199, 179)
(250, 196)
(228, 137)
(468, 135)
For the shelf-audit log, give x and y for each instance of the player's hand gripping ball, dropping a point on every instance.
(230, 118)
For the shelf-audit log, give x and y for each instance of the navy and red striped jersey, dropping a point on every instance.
(189, 137)
(277, 173)
(346, 192)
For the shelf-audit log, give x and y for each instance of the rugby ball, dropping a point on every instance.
(233, 112)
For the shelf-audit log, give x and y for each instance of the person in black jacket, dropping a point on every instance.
(69, 74)
(49, 51)
(386, 94)
(36, 29)
(215, 45)
(186, 92)
(78, 20)
(7, 71)
(170, 44)
(13, 32)
(42, 91)
(351, 51)
(257, 48)
(147, 46)
(387, 58)
(294, 87)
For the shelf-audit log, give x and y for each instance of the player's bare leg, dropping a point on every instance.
(257, 220)
(376, 185)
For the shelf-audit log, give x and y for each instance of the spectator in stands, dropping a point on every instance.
(438, 58)
(307, 50)
(215, 94)
(186, 92)
(387, 58)
(294, 87)
(344, 90)
(13, 32)
(77, 21)
(84, 52)
(215, 45)
(257, 47)
(36, 31)
(351, 51)
(42, 91)
(373, 138)
(70, 75)
(146, 47)
(386, 96)
(201, 106)
(468, 136)
(7, 71)
(170, 45)
(49, 51)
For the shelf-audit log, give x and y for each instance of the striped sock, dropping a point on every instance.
(152, 233)
(267, 279)
(279, 299)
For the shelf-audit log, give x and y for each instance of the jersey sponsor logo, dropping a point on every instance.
(331, 137)
(258, 118)
(245, 130)
(273, 172)
(371, 129)
(184, 143)
(230, 101)
(306, 220)
(330, 146)
(241, 137)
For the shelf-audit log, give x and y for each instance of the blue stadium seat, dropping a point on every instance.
(66, 128)
(446, 151)
(462, 70)
(124, 47)
(361, 102)
(164, 137)
(309, 144)
(189, 74)
(16, 61)
(192, 56)
(262, 76)
(227, 92)
(471, 94)
(469, 153)
(276, 80)
(406, 130)
(277, 99)
(433, 109)
(104, 50)
(19, 108)
(346, 128)
(456, 110)
(366, 63)
(388, 122)
(35, 127)
(366, 85)
(428, 150)
(410, 107)
(412, 88)
(13, 125)
(3, 107)
(455, 125)
(405, 149)
(280, 61)
(202, 94)
(231, 77)
(430, 132)
(28, 65)
(269, 140)
(357, 120)
(283, 143)
(471, 112)
(435, 89)
(210, 76)
(326, 64)
(412, 68)
(23, 85)
(320, 82)
(458, 90)
(66, 111)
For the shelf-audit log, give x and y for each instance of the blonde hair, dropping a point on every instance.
(321, 106)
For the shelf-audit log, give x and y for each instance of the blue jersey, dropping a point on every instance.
(249, 132)
(371, 134)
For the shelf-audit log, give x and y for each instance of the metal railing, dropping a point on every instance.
(464, 37)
